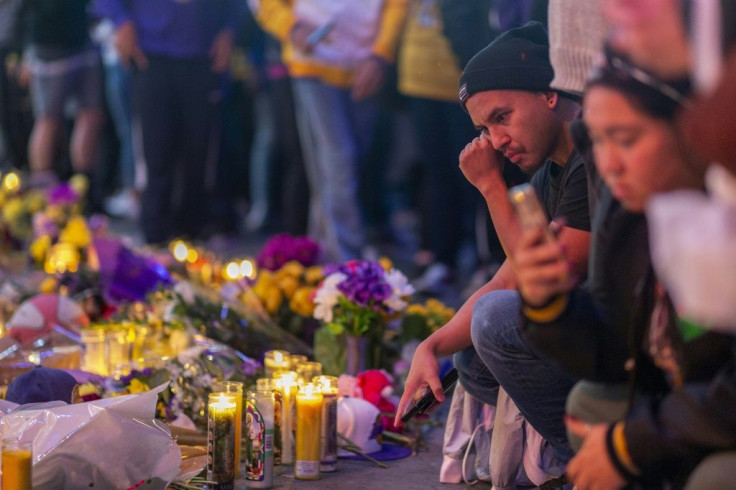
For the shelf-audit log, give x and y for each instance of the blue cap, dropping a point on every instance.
(41, 384)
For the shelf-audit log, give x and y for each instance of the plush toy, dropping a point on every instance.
(377, 388)
(37, 317)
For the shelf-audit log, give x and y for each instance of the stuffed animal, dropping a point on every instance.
(377, 388)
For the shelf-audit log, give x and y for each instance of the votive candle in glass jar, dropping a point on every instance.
(308, 432)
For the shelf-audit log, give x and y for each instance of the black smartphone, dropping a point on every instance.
(428, 401)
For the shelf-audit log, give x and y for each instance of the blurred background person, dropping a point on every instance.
(65, 69)
(337, 55)
(8, 12)
(179, 52)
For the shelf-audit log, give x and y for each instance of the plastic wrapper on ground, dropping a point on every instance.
(109, 443)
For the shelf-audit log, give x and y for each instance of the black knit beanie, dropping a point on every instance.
(518, 59)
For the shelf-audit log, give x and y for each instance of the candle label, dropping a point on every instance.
(278, 410)
(257, 445)
(306, 469)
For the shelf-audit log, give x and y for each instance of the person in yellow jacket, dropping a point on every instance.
(428, 73)
(337, 52)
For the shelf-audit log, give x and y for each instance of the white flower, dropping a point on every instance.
(400, 288)
(327, 295)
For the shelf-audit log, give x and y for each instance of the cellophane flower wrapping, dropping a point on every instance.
(108, 443)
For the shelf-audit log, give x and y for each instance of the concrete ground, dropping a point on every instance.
(420, 472)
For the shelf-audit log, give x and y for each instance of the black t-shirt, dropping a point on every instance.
(563, 191)
(56, 24)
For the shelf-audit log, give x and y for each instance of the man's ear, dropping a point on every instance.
(552, 99)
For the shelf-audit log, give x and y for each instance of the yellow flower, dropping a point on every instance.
(386, 263)
(313, 274)
(291, 268)
(301, 302)
(137, 386)
(288, 285)
(55, 213)
(12, 210)
(416, 309)
(80, 184)
(48, 285)
(272, 299)
(39, 247)
(76, 232)
(264, 282)
(34, 201)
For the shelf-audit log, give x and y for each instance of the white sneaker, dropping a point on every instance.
(123, 204)
(433, 278)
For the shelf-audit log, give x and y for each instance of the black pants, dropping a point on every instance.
(443, 130)
(177, 103)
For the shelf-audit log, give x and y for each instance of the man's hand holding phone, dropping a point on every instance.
(424, 372)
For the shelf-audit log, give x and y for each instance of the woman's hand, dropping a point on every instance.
(542, 268)
(592, 468)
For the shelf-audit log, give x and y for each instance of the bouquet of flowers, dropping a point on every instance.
(356, 300)
(285, 248)
(421, 320)
(287, 295)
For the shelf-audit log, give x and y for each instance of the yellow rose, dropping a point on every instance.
(56, 213)
(137, 386)
(76, 232)
(264, 282)
(272, 300)
(288, 285)
(86, 389)
(314, 274)
(291, 268)
(39, 247)
(301, 302)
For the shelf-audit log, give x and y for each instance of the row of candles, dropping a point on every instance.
(291, 418)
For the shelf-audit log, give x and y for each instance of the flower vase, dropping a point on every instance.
(354, 354)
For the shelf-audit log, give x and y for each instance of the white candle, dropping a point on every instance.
(328, 439)
(285, 383)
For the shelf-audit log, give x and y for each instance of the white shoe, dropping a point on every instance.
(123, 204)
(433, 278)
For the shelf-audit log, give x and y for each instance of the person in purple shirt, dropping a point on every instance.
(178, 50)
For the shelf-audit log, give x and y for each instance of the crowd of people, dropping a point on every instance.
(306, 117)
(615, 112)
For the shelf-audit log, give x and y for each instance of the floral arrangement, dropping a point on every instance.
(284, 248)
(18, 207)
(190, 376)
(354, 302)
(287, 295)
(357, 294)
(58, 220)
(421, 320)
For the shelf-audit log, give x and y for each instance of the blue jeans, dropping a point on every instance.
(119, 92)
(500, 357)
(336, 133)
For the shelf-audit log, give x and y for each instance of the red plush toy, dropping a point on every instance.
(377, 387)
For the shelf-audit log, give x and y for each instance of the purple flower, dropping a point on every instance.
(283, 248)
(62, 194)
(364, 285)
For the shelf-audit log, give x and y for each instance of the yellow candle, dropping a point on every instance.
(234, 388)
(16, 465)
(328, 440)
(275, 361)
(307, 371)
(308, 431)
(221, 410)
(296, 359)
